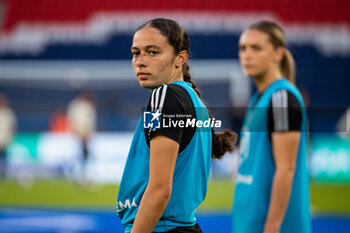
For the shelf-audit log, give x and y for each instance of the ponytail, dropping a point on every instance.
(187, 78)
(221, 142)
(287, 66)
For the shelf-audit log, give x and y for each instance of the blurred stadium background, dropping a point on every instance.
(50, 50)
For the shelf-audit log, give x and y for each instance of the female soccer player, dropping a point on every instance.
(166, 173)
(272, 188)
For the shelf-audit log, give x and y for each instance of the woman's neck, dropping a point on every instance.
(177, 76)
(266, 80)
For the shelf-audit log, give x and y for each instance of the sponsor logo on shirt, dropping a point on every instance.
(244, 179)
(121, 206)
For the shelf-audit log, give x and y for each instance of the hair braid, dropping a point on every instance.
(221, 142)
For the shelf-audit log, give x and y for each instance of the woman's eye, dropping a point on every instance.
(153, 52)
(256, 48)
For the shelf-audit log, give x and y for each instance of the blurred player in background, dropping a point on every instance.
(81, 113)
(272, 187)
(7, 131)
(167, 170)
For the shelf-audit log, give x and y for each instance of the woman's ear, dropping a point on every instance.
(280, 53)
(181, 58)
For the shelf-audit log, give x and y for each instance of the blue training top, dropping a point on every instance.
(190, 179)
(256, 170)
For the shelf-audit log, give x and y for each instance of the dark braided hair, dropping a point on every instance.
(179, 40)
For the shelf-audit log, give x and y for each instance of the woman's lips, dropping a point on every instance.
(142, 75)
(248, 66)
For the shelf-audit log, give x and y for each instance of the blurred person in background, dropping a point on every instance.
(7, 131)
(81, 113)
(272, 186)
(167, 170)
(58, 121)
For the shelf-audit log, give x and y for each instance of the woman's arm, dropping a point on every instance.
(163, 154)
(285, 151)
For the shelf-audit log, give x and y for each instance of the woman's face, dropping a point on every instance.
(154, 61)
(256, 53)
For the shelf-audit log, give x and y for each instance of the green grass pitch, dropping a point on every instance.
(325, 197)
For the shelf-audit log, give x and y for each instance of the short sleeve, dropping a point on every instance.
(284, 112)
(170, 103)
